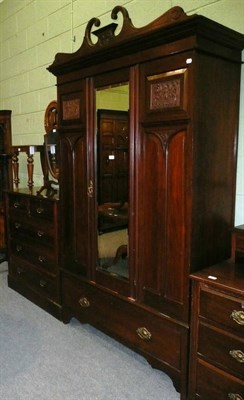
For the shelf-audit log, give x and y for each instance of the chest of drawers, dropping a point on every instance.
(217, 333)
(33, 250)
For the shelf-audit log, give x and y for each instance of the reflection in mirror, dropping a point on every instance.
(112, 104)
(50, 145)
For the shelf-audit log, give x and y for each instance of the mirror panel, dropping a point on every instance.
(112, 116)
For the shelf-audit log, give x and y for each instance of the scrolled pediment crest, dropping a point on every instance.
(127, 36)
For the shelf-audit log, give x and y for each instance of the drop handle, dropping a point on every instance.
(17, 225)
(84, 302)
(39, 210)
(143, 333)
(19, 248)
(238, 317)
(42, 259)
(235, 396)
(16, 204)
(238, 355)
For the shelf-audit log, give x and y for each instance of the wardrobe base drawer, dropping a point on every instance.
(154, 336)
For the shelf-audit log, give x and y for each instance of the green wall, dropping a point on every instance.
(33, 31)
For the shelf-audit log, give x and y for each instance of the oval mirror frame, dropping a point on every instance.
(51, 139)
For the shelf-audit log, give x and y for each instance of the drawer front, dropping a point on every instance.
(154, 336)
(18, 204)
(41, 283)
(41, 208)
(222, 350)
(214, 384)
(43, 257)
(36, 207)
(29, 229)
(225, 310)
(239, 241)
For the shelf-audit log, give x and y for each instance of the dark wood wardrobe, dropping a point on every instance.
(183, 78)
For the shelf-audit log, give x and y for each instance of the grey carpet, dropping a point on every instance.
(41, 358)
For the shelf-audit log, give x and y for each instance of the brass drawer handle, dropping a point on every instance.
(17, 225)
(84, 302)
(143, 333)
(238, 355)
(40, 233)
(19, 248)
(16, 204)
(238, 317)
(235, 396)
(42, 259)
(39, 210)
(42, 283)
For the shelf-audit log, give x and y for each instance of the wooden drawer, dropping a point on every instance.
(223, 350)
(214, 384)
(29, 229)
(32, 206)
(29, 277)
(240, 242)
(152, 335)
(18, 204)
(41, 208)
(41, 256)
(222, 309)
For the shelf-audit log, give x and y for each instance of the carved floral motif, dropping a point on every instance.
(165, 94)
(71, 109)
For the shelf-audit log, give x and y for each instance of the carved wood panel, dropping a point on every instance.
(163, 216)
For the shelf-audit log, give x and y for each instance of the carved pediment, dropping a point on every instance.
(108, 39)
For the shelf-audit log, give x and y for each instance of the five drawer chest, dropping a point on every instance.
(33, 251)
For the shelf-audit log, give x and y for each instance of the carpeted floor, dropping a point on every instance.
(41, 358)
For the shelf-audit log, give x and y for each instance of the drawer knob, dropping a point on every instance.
(17, 225)
(19, 248)
(235, 396)
(40, 233)
(42, 259)
(16, 204)
(19, 271)
(39, 210)
(42, 283)
(238, 317)
(143, 333)
(238, 355)
(84, 302)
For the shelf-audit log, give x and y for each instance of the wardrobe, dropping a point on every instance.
(179, 79)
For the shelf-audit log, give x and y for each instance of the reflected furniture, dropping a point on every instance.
(5, 146)
(217, 332)
(183, 74)
(112, 148)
